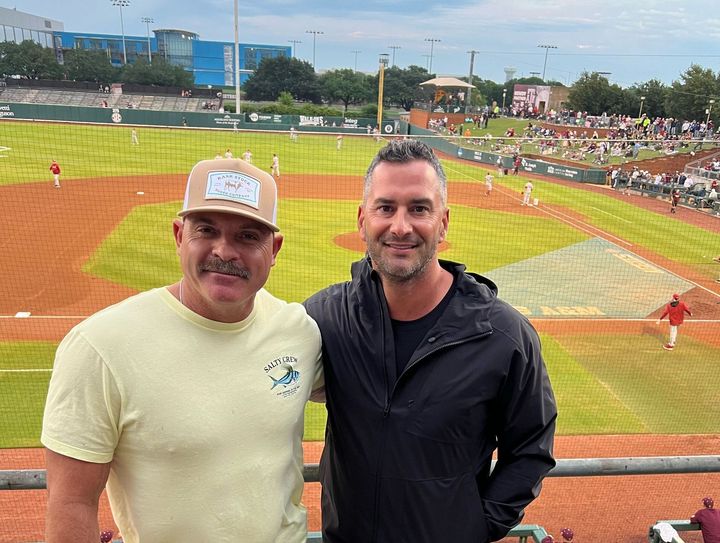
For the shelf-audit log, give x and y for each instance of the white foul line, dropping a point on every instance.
(27, 371)
(611, 214)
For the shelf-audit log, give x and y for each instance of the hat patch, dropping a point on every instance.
(234, 187)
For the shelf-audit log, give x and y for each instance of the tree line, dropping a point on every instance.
(686, 98)
(32, 61)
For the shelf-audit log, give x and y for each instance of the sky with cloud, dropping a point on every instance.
(632, 41)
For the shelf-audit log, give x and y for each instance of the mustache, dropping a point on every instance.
(410, 238)
(219, 265)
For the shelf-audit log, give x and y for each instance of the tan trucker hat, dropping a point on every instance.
(231, 185)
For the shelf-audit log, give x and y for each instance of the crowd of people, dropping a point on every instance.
(697, 191)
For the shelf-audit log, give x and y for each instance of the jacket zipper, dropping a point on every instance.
(388, 405)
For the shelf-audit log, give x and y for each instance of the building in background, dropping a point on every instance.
(16, 26)
(211, 62)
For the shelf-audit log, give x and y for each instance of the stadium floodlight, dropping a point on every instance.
(432, 41)
(122, 4)
(236, 54)
(147, 21)
(394, 48)
(314, 33)
(547, 48)
(356, 52)
(294, 44)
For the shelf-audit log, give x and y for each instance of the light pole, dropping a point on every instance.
(472, 54)
(504, 93)
(236, 54)
(294, 43)
(427, 64)
(432, 41)
(381, 83)
(356, 53)
(642, 101)
(314, 33)
(534, 74)
(547, 48)
(122, 4)
(394, 48)
(709, 111)
(147, 21)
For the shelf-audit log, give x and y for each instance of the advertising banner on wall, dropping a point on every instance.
(228, 65)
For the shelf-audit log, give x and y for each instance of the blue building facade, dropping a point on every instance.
(211, 62)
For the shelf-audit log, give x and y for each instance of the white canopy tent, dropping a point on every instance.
(447, 82)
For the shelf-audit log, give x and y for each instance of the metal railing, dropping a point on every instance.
(567, 467)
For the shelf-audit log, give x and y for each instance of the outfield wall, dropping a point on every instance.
(255, 121)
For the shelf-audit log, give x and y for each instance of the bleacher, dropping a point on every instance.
(693, 198)
(95, 99)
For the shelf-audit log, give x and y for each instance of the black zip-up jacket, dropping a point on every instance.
(407, 459)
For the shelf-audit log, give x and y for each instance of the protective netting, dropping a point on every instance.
(592, 269)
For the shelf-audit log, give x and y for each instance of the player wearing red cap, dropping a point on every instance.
(675, 311)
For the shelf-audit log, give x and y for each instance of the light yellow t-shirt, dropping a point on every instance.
(202, 420)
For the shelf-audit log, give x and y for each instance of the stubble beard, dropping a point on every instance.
(404, 271)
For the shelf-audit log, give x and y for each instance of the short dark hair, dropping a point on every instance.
(401, 151)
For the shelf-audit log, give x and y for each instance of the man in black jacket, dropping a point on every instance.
(427, 373)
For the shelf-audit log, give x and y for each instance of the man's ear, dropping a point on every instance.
(277, 245)
(361, 222)
(177, 234)
(445, 224)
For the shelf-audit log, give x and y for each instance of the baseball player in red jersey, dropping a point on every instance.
(55, 169)
(675, 310)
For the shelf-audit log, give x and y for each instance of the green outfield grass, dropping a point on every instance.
(604, 384)
(163, 150)
(666, 392)
(22, 395)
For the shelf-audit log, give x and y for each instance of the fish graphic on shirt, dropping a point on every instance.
(290, 377)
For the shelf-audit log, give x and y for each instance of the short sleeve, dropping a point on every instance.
(83, 404)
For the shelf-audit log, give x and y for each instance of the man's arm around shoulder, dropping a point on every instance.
(74, 489)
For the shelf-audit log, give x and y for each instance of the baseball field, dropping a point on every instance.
(591, 268)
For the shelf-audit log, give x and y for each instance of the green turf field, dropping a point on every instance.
(33, 146)
(605, 384)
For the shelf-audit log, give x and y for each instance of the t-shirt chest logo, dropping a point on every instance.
(285, 379)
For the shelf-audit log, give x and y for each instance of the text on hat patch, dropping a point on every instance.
(234, 187)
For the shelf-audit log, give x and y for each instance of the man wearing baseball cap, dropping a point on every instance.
(675, 311)
(188, 400)
(709, 520)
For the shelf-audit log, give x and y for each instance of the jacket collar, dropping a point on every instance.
(469, 309)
